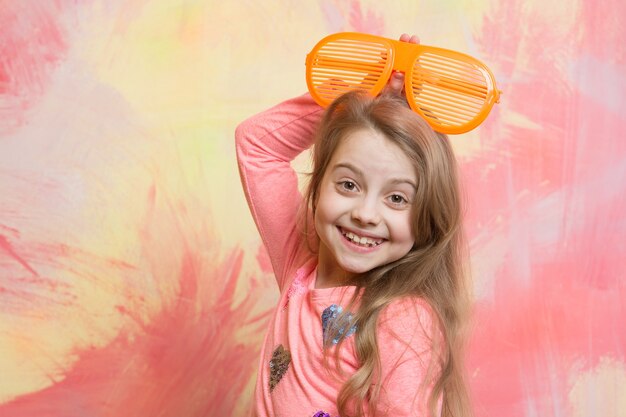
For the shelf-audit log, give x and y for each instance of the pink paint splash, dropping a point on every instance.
(32, 43)
(7, 248)
(341, 16)
(188, 359)
(368, 22)
(196, 353)
(555, 193)
(195, 356)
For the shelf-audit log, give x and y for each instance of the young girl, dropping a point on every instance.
(368, 263)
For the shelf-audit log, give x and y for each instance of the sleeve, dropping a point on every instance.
(266, 144)
(407, 340)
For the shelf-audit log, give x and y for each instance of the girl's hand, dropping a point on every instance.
(395, 85)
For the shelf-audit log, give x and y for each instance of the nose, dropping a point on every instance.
(366, 211)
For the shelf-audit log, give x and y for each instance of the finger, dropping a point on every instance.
(405, 37)
(414, 39)
(396, 83)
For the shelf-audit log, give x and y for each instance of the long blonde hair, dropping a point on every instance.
(432, 270)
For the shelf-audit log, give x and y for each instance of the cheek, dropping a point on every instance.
(327, 201)
(404, 229)
(323, 208)
(317, 221)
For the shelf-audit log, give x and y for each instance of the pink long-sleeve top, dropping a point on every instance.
(293, 380)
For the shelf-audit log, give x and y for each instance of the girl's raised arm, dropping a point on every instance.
(266, 145)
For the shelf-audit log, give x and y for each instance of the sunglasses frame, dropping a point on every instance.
(402, 56)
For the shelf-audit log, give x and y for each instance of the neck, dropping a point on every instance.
(329, 274)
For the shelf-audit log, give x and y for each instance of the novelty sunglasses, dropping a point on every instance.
(452, 91)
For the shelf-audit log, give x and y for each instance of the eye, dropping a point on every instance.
(398, 200)
(347, 185)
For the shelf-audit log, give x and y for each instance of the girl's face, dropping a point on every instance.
(363, 211)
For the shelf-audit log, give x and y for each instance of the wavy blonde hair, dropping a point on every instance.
(433, 268)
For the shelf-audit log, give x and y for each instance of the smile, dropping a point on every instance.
(361, 240)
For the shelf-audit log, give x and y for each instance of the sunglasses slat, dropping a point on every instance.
(378, 53)
(328, 64)
(336, 91)
(331, 95)
(330, 86)
(338, 77)
(343, 51)
(465, 80)
(366, 59)
(448, 64)
(346, 69)
(476, 84)
(442, 119)
(341, 78)
(459, 101)
(358, 44)
(447, 116)
(418, 86)
(326, 59)
(453, 85)
(331, 83)
(331, 89)
(439, 107)
(356, 80)
(470, 75)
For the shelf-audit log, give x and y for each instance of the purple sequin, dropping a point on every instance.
(321, 414)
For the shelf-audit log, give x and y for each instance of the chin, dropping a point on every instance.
(357, 269)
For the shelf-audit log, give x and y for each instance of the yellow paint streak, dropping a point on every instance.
(600, 391)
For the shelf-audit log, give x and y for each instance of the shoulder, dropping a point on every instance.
(408, 326)
(408, 338)
(407, 313)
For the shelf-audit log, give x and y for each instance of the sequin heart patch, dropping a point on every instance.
(281, 358)
(331, 325)
(321, 414)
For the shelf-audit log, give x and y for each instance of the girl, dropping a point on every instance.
(368, 263)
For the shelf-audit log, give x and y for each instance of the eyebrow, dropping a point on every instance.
(359, 172)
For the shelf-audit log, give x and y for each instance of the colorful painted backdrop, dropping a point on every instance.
(132, 281)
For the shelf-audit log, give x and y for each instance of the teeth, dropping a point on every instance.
(365, 241)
